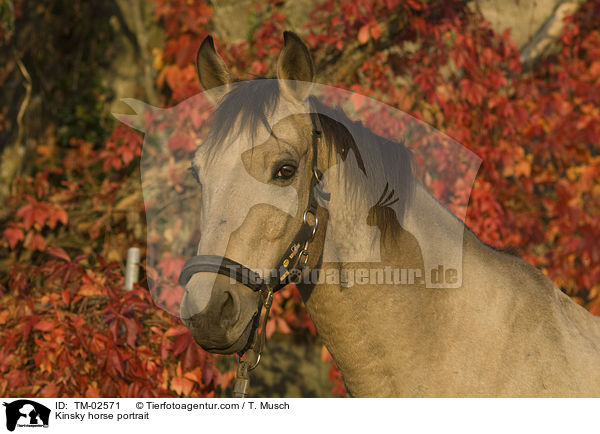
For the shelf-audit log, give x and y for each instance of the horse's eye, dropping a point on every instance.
(285, 172)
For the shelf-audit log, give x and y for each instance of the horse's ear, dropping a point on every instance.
(296, 65)
(213, 73)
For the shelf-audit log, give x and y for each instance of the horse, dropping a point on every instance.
(502, 330)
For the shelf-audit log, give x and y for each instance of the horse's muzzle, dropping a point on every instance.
(224, 323)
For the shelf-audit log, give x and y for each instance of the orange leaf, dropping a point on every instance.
(92, 392)
(34, 241)
(66, 296)
(358, 100)
(33, 212)
(325, 356)
(523, 168)
(55, 215)
(44, 326)
(177, 330)
(283, 326)
(50, 390)
(363, 34)
(195, 375)
(182, 386)
(89, 289)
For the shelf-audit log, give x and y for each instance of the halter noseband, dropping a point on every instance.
(289, 269)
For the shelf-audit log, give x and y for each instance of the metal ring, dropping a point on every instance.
(256, 364)
(305, 254)
(250, 368)
(314, 231)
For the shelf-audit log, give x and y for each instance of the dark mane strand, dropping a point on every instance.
(342, 132)
(335, 132)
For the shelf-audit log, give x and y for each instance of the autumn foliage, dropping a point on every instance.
(69, 329)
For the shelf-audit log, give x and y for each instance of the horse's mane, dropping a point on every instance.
(248, 105)
(343, 133)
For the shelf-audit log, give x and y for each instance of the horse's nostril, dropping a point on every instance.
(230, 311)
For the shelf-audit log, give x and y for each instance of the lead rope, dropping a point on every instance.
(252, 357)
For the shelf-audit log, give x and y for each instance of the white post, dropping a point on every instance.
(132, 269)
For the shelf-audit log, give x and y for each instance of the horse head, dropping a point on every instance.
(255, 170)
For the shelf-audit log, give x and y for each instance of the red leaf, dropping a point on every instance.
(59, 253)
(33, 212)
(126, 155)
(173, 74)
(177, 330)
(181, 141)
(375, 31)
(132, 331)
(415, 5)
(56, 214)
(182, 342)
(44, 326)
(171, 267)
(50, 390)
(116, 363)
(35, 241)
(13, 236)
(208, 373)
(357, 100)
(66, 296)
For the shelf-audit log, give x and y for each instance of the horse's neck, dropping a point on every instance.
(472, 336)
(376, 327)
(440, 237)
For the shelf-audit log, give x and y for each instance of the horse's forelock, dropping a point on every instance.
(245, 108)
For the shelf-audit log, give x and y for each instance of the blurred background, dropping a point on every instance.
(515, 81)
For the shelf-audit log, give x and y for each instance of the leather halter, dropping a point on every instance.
(293, 262)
